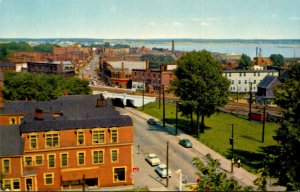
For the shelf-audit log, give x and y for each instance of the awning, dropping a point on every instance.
(78, 174)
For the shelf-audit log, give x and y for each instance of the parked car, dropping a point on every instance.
(161, 170)
(152, 159)
(186, 143)
(151, 121)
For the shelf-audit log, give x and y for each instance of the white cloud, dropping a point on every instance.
(152, 23)
(177, 23)
(294, 18)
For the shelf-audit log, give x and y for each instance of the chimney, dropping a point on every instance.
(38, 114)
(100, 101)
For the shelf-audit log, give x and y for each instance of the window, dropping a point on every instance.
(254, 81)
(245, 81)
(12, 120)
(38, 160)
(51, 161)
(97, 156)
(80, 138)
(6, 165)
(64, 159)
(48, 178)
(33, 141)
(254, 74)
(98, 137)
(229, 74)
(239, 81)
(20, 119)
(52, 140)
(28, 161)
(80, 158)
(244, 74)
(7, 184)
(16, 184)
(258, 74)
(114, 155)
(114, 136)
(232, 81)
(240, 74)
(119, 174)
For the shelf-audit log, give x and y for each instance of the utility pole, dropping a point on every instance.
(164, 108)
(143, 93)
(263, 125)
(250, 100)
(176, 117)
(159, 93)
(231, 143)
(167, 183)
(237, 93)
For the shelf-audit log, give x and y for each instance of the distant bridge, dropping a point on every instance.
(126, 99)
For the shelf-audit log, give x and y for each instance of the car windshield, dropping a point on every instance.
(153, 157)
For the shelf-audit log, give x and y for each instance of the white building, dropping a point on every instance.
(240, 79)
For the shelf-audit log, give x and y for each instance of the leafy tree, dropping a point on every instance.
(245, 62)
(200, 83)
(288, 135)
(211, 178)
(156, 61)
(22, 86)
(46, 47)
(277, 59)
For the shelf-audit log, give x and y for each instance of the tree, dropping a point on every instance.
(200, 83)
(245, 62)
(46, 47)
(156, 61)
(288, 135)
(22, 86)
(277, 59)
(211, 178)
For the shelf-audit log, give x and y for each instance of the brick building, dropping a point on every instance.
(118, 72)
(70, 142)
(152, 79)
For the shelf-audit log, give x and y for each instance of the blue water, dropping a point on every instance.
(287, 50)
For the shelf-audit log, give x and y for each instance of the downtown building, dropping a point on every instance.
(67, 143)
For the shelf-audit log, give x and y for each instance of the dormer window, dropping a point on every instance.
(80, 137)
(52, 139)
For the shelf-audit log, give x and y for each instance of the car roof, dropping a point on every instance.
(162, 165)
(185, 139)
(152, 155)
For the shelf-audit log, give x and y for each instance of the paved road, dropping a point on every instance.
(153, 139)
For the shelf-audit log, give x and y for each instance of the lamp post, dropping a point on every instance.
(231, 143)
(180, 178)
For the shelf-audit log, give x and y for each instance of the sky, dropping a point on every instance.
(150, 19)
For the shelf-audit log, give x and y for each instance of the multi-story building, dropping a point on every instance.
(152, 79)
(118, 72)
(240, 79)
(70, 142)
(7, 66)
(56, 67)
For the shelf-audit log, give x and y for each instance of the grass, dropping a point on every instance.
(247, 134)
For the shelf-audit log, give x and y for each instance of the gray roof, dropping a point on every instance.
(77, 111)
(11, 143)
(6, 64)
(1, 77)
(267, 81)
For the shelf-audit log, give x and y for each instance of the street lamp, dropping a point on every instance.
(180, 178)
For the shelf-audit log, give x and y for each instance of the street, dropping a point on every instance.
(153, 139)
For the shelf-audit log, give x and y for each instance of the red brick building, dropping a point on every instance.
(70, 142)
(152, 79)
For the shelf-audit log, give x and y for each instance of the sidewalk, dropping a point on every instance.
(243, 176)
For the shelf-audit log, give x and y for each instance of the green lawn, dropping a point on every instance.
(248, 134)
